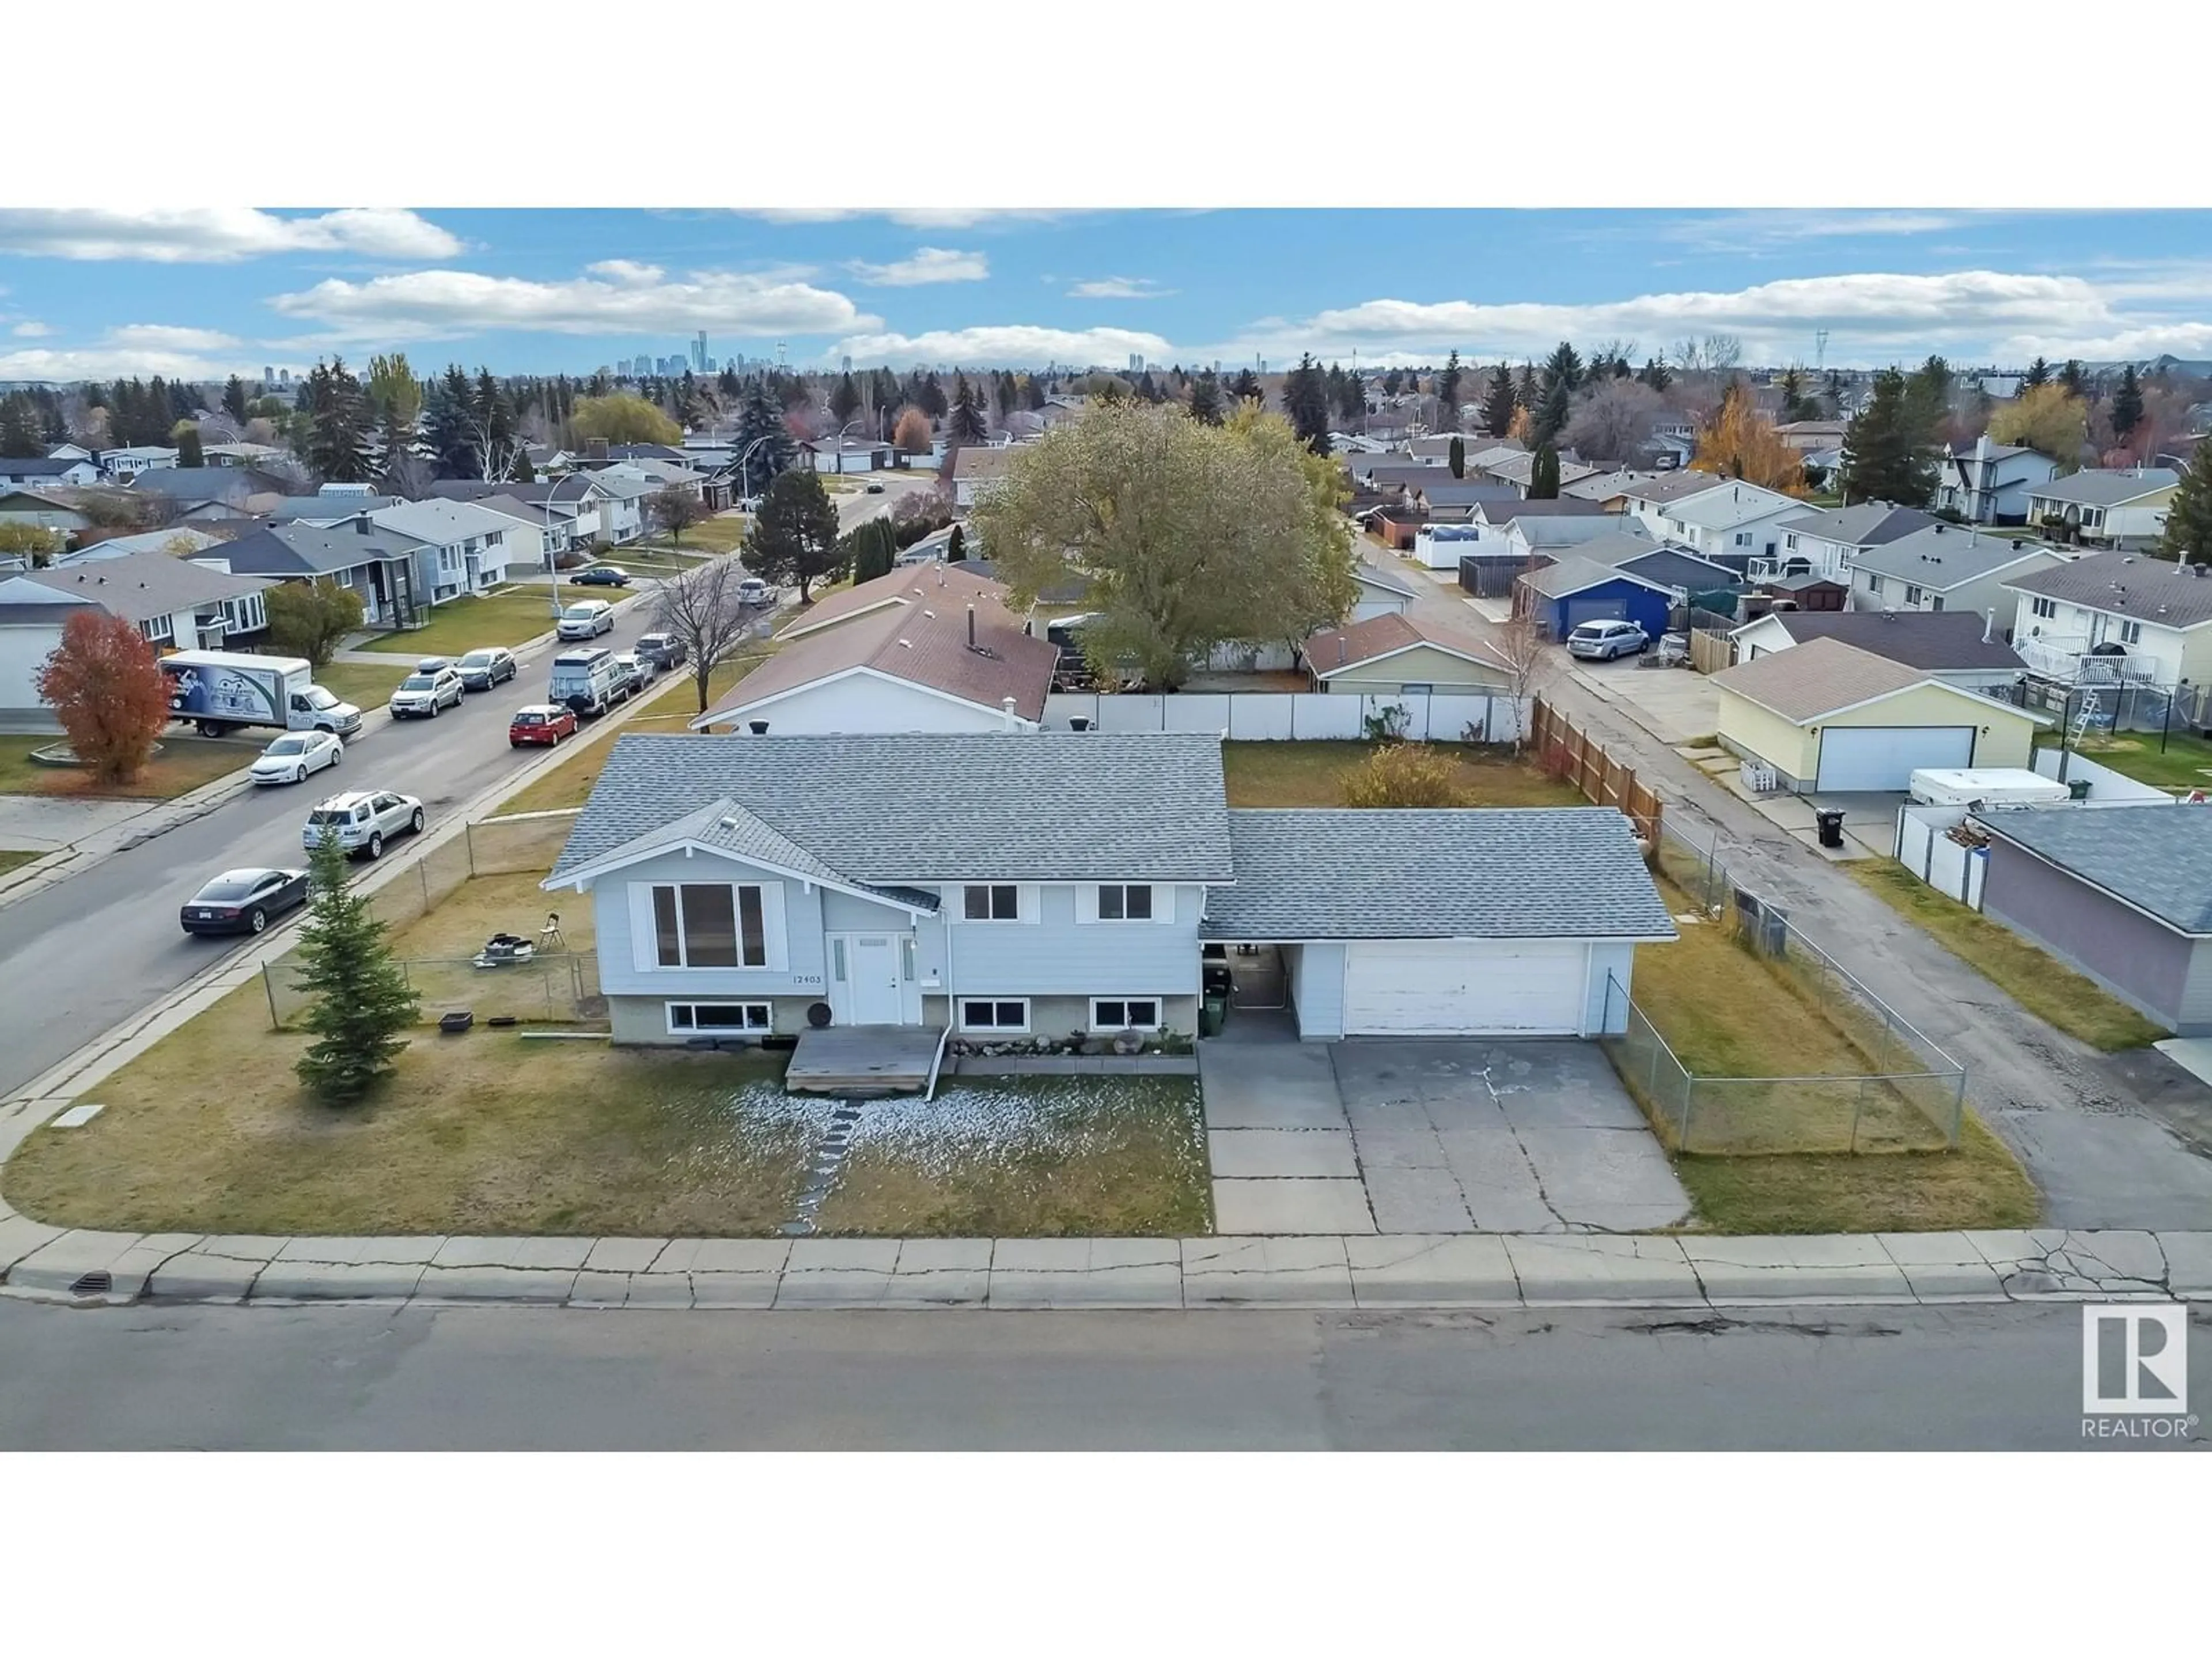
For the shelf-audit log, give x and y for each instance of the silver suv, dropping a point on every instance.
(434, 685)
(363, 820)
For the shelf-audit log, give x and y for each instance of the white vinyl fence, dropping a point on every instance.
(2106, 787)
(1293, 716)
(1925, 848)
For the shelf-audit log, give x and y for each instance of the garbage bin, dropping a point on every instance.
(1831, 820)
(2077, 789)
(1211, 1011)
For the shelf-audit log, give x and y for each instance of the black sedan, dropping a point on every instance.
(602, 575)
(244, 901)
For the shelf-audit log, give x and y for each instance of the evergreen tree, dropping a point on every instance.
(1498, 404)
(1656, 374)
(1352, 401)
(362, 1001)
(1563, 368)
(1148, 389)
(1551, 415)
(2074, 380)
(2038, 373)
(1835, 392)
(1927, 396)
(1206, 399)
(965, 425)
(448, 430)
(1305, 399)
(20, 426)
(1544, 475)
(1246, 388)
(2127, 410)
(956, 546)
(871, 550)
(1392, 379)
(763, 442)
(844, 400)
(233, 400)
(1886, 455)
(337, 443)
(1448, 391)
(1032, 393)
(186, 438)
(793, 540)
(1457, 456)
(929, 397)
(2189, 518)
(1526, 392)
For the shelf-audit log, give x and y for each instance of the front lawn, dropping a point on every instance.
(1980, 1185)
(366, 685)
(452, 629)
(2029, 975)
(184, 764)
(716, 535)
(1313, 774)
(2180, 760)
(1028, 1158)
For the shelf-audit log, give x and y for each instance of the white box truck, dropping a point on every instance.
(221, 691)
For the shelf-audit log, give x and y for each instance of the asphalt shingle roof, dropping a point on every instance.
(1870, 524)
(1932, 639)
(296, 549)
(896, 810)
(2157, 858)
(2152, 590)
(141, 585)
(1574, 575)
(1809, 681)
(1944, 556)
(1333, 650)
(2099, 487)
(1536, 872)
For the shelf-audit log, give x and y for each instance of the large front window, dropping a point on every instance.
(709, 925)
(1001, 903)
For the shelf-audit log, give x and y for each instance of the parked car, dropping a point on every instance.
(640, 667)
(874, 490)
(586, 619)
(753, 592)
(244, 901)
(434, 685)
(362, 821)
(542, 723)
(664, 651)
(602, 575)
(589, 682)
(1601, 642)
(485, 668)
(292, 756)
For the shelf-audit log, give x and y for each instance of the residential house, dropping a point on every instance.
(555, 534)
(1484, 454)
(1681, 572)
(941, 652)
(1827, 542)
(47, 472)
(1830, 717)
(178, 541)
(622, 495)
(1016, 885)
(1945, 566)
(238, 487)
(241, 454)
(42, 510)
(977, 467)
(1649, 501)
(2114, 617)
(1811, 437)
(121, 465)
(1609, 489)
(1398, 653)
(1561, 597)
(2123, 894)
(322, 510)
(1436, 446)
(575, 501)
(1805, 592)
(2100, 507)
(1737, 523)
(845, 455)
(380, 564)
(1990, 483)
(1531, 535)
(1389, 425)
(66, 452)
(464, 548)
(1381, 593)
(1519, 470)
(1956, 646)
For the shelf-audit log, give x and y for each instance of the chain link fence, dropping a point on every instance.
(1911, 1097)
(528, 842)
(556, 989)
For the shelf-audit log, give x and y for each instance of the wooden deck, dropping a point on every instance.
(863, 1060)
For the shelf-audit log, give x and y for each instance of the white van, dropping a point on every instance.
(586, 619)
(590, 682)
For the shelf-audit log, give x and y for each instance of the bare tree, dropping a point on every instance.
(1614, 422)
(1519, 650)
(701, 609)
(409, 476)
(676, 509)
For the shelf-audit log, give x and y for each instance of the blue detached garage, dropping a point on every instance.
(1564, 595)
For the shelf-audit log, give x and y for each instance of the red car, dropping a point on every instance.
(542, 723)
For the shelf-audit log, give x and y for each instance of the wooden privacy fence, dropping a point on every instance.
(1567, 751)
(1711, 652)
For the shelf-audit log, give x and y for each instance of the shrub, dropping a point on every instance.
(1405, 775)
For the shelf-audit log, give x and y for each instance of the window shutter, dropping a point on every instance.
(1086, 901)
(774, 933)
(645, 954)
(1163, 903)
(1029, 902)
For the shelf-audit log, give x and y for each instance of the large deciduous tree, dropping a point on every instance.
(1614, 424)
(361, 1001)
(912, 436)
(793, 538)
(623, 417)
(312, 619)
(2045, 419)
(1185, 535)
(111, 699)
(1739, 443)
(676, 509)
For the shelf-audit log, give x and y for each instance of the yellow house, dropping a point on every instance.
(1829, 716)
(1397, 654)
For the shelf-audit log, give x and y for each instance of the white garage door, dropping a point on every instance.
(1886, 757)
(1443, 987)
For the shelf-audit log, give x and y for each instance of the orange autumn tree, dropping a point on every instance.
(111, 699)
(1739, 443)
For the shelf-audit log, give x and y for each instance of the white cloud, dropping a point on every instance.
(927, 264)
(134, 349)
(1754, 232)
(441, 304)
(1019, 344)
(159, 336)
(628, 271)
(31, 331)
(912, 218)
(204, 235)
(1119, 287)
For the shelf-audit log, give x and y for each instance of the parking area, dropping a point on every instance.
(1429, 1136)
(1676, 705)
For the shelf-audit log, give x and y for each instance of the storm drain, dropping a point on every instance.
(828, 1159)
(95, 1283)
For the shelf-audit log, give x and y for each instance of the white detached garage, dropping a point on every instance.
(1449, 923)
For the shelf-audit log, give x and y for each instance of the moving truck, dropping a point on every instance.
(224, 690)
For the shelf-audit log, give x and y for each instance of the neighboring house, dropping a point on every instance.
(234, 486)
(47, 472)
(1483, 453)
(555, 534)
(1828, 716)
(1956, 646)
(1624, 541)
(1381, 593)
(41, 512)
(178, 541)
(623, 495)
(379, 564)
(977, 467)
(1609, 489)
(1946, 567)
(1807, 591)
(1679, 572)
(904, 588)
(575, 501)
(1649, 501)
(2122, 893)
(2098, 508)
(1436, 446)
(1397, 655)
(1519, 470)
(323, 511)
(124, 464)
(1018, 884)
(1562, 596)
(845, 455)
(1825, 543)
(71, 452)
(1738, 522)
(2114, 617)
(241, 454)
(464, 548)
(1535, 536)
(1990, 483)
(947, 656)
(1810, 437)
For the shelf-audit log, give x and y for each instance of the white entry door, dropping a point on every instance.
(874, 994)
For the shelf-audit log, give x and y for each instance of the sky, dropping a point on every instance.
(202, 293)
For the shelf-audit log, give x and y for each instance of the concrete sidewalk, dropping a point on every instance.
(1347, 1272)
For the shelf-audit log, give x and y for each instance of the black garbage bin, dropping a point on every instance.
(1831, 821)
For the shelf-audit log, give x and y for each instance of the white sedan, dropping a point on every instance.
(292, 756)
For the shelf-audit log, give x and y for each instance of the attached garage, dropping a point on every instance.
(1449, 987)
(1878, 757)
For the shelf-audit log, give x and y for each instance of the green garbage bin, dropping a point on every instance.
(1211, 1011)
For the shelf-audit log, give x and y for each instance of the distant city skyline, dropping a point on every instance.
(94, 294)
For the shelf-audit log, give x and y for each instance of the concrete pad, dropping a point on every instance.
(2188, 1263)
(80, 1114)
(593, 1289)
(1568, 1267)
(1280, 1152)
(624, 1256)
(723, 1255)
(1293, 1272)
(1418, 1201)
(338, 1281)
(1462, 1272)
(568, 1252)
(416, 1249)
(195, 1276)
(1605, 1178)
(1764, 1269)
(1292, 1206)
(1289, 1085)
(712, 1289)
(1397, 1148)
(2192, 1054)
(496, 1283)
(1943, 1267)
(20, 1237)
(935, 1273)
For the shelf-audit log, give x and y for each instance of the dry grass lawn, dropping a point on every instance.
(1980, 1185)
(366, 685)
(184, 764)
(2033, 978)
(1313, 774)
(507, 617)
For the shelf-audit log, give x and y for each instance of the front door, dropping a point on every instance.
(874, 994)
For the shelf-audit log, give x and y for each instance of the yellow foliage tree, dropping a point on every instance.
(2046, 419)
(1739, 443)
(624, 418)
(1520, 426)
(1405, 774)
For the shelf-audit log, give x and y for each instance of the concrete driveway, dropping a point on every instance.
(1673, 704)
(1429, 1136)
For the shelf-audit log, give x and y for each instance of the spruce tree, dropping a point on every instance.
(1448, 391)
(338, 424)
(956, 546)
(2127, 410)
(966, 424)
(763, 441)
(1886, 455)
(1246, 388)
(1551, 415)
(233, 400)
(1526, 392)
(362, 1001)
(2039, 374)
(1498, 404)
(1305, 399)
(1456, 456)
(1563, 368)
(2189, 518)
(1544, 476)
(2075, 379)
(844, 400)
(1206, 399)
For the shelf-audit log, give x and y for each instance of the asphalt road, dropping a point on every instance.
(413, 1378)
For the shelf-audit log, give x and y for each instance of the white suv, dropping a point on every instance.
(364, 821)
(434, 685)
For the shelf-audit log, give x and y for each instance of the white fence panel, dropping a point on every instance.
(2106, 787)
(1062, 707)
(1196, 711)
(1289, 716)
(1264, 719)
(1138, 713)
(1316, 716)
(1924, 849)
(1234, 657)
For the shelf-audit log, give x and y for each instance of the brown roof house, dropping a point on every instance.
(1398, 654)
